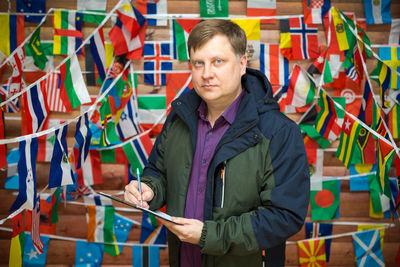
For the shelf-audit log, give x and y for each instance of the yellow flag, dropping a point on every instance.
(252, 29)
(340, 30)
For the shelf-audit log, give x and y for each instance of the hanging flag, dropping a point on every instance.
(157, 58)
(379, 203)
(67, 32)
(315, 10)
(384, 161)
(116, 155)
(391, 57)
(73, 88)
(364, 227)
(12, 169)
(88, 253)
(35, 231)
(109, 135)
(360, 183)
(98, 5)
(181, 30)
(82, 138)
(17, 241)
(31, 70)
(32, 6)
(211, 8)
(60, 168)
(36, 111)
(377, 12)
(15, 82)
(145, 256)
(31, 257)
(128, 123)
(394, 35)
(12, 29)
(151, 231)
(325, 202)
(3, 149)
(18, 224)
(90, 173)
(368, 248)
(301, 88)
(36, 49)
(262, 8)
(315, 230)
(252, 29)
(13, 105)
(98, 50)
(90, 67)
(348, 140)
(27, 175)
(46, 142)
(151, 109)
(177, 84)
(394, 121)
(327, 116)
(127, 35)
(273, 64)
(312, 253)
(53, 92)
(100, 220)
(153, 8)
(138, 150)
(298, 40)
(122, 228)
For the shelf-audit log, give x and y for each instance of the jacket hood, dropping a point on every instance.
(257, 84)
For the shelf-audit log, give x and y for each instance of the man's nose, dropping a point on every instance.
(208, 71)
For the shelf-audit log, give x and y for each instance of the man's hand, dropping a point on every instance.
(132, 194)
(188, 230)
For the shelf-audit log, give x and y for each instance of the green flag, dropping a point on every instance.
(348, 140)
(325, 202)
(109, 135)
(36, 50)
(212, 8)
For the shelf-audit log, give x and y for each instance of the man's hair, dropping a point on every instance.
(206, 30)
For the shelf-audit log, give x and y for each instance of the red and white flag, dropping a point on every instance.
(52, 87)
(16, 81)
(262, 8)
(35, 231)
(90, 172)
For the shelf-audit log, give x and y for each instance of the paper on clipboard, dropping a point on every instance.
(159, 214)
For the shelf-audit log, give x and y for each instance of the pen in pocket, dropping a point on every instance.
(223, 171)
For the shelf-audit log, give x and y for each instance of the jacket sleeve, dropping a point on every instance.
(284, 198)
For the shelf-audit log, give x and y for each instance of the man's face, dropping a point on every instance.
(217, 71)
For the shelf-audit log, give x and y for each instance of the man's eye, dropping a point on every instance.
(218, 61)
(198, 63)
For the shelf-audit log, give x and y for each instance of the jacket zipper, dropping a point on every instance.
(223, 174)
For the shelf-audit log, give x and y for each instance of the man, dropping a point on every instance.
(231, 168)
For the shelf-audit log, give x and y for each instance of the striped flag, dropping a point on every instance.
(12, 30)
(60, 169)
(348, 140)
(301, 88)
(327, 116)
(82, 138)
(394, 121)
(377, 12)
(98, 50)
(384, 159)
(35, 231)
(100, 222)
(391, 57)
(3, 149)
(67, 32)
(151, 109)
(153, 8)
(315, 230)
(315, 10)
(138, 150)
(36, 111)
(128, 123)
(73, 88)
(17, 241)
(109, 135)
(273, 64)
(394, 36)
(145, 256)
(157, 57)
(46, 142)
(90, 173)
(52, 87)
(27, 175)
(181, 30)
(262, 8)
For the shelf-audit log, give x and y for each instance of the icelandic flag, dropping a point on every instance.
(153, 8)
(60, 169)
(99, 52)
(157, 57)
(377, 11)
(82, 137)
(36, 110)
(27, 175)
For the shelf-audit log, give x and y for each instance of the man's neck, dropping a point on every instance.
(215, 110)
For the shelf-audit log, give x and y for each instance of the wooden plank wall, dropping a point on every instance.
(354, 206)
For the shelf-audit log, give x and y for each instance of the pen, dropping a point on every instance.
(139, 186)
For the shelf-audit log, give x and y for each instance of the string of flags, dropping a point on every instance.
(101, 134)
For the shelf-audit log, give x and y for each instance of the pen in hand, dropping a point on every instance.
(139, 187)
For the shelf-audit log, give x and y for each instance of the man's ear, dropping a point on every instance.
(243, 64)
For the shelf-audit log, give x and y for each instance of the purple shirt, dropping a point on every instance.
(207, 140)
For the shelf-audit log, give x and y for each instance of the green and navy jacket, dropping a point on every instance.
(266, 184)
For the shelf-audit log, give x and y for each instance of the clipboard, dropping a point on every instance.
(158, 214)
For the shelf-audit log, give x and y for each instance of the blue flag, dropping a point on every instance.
(157, 58)
(31, 258)
(27, 175)
(152, 232)
(360, 183)
(377, 12)
(82, 138)
(32, 6)
(314, 230)
(145, 256)
(12, 169)
(122, 227)
(88, 254)
(367, 247)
